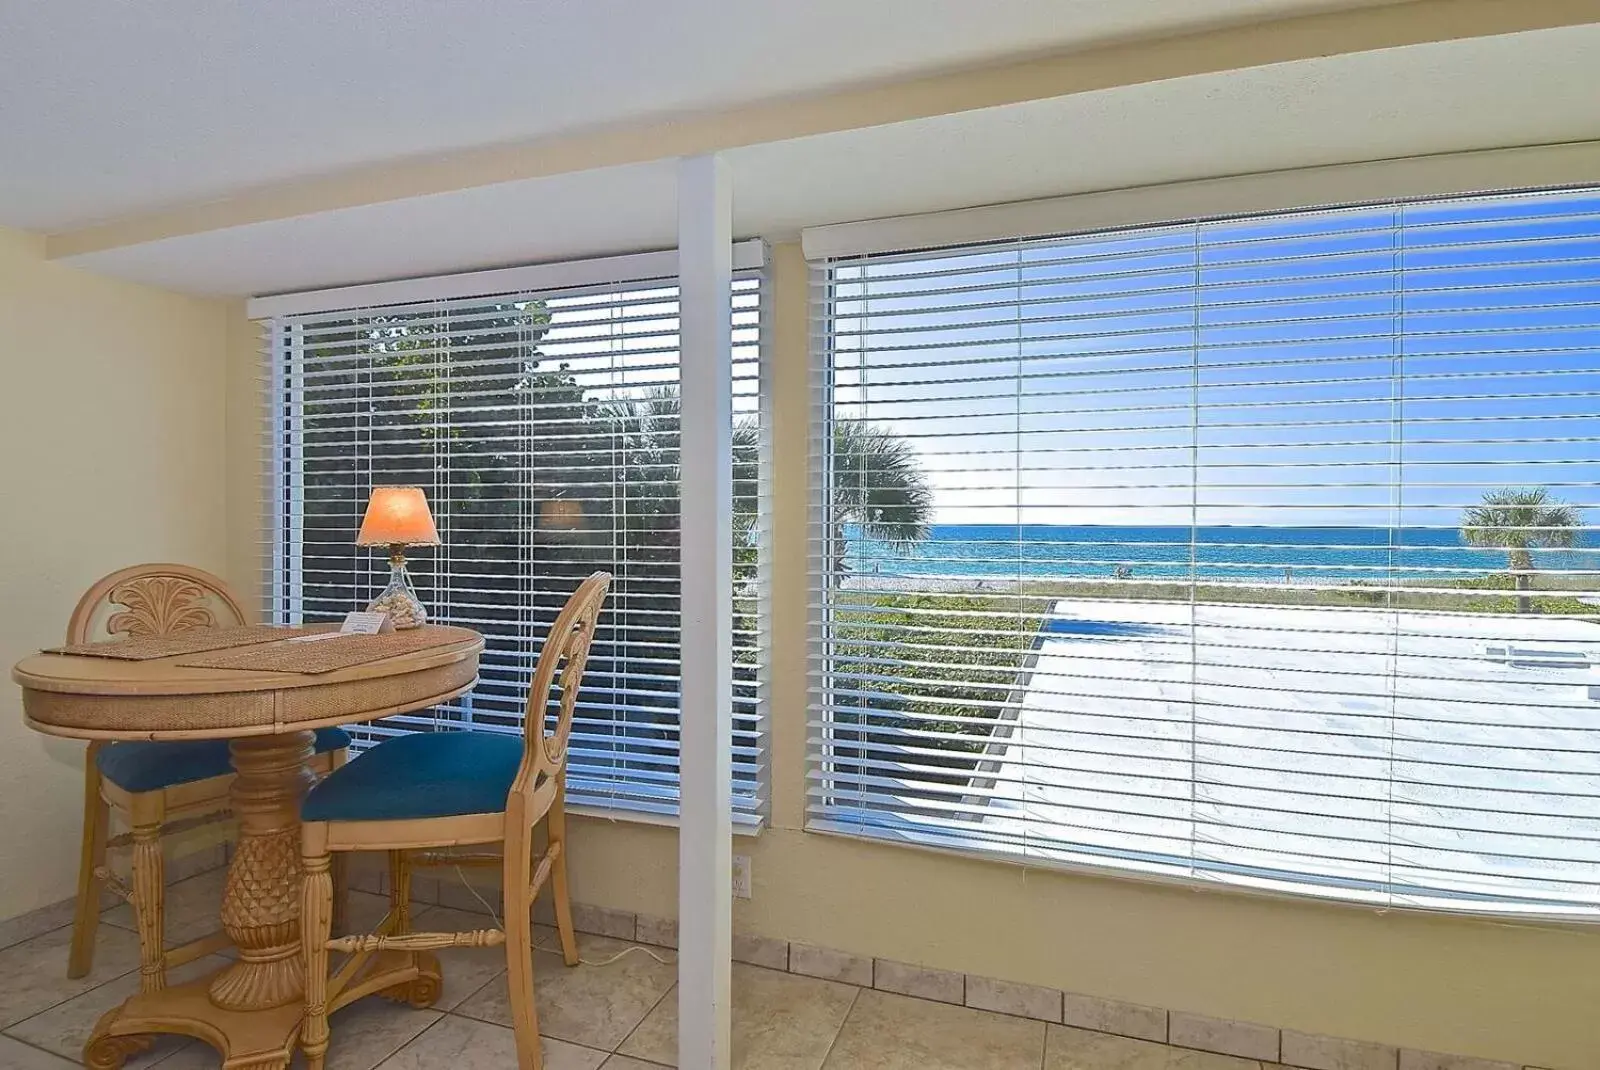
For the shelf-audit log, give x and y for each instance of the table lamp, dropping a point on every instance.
(560, 515)
(398, 517)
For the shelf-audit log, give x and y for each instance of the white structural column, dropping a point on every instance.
(705, 838)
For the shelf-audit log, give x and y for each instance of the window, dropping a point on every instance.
(544, 427)
(1252, 550)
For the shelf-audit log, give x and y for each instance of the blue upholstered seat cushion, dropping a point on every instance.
(152, 765)
(429, 774)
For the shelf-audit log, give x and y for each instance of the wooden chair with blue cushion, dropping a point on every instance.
(437, 790)
(157, 788)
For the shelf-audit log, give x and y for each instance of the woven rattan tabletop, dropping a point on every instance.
(107, 698)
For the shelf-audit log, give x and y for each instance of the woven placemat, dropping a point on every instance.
(149, 648)
(324, 655)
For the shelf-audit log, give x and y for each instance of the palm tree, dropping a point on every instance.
(876, 483)
(1520, 520)
(645, 449)
(877, 486)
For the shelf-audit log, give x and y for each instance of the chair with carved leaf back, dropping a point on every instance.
(416, 796)
(156, 788)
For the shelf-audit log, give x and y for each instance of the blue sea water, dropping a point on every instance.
(1255, 554)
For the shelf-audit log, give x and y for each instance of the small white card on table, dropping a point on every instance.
(364, 623)
(354, 624)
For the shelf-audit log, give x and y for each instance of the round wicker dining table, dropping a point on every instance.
(250, 1010)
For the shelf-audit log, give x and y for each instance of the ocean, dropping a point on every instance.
(1308, 555)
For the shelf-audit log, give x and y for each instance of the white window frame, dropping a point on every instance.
(284, 401)
(1508, 170)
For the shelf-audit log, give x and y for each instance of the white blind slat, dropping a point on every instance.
(1261, 550)
(543, 426)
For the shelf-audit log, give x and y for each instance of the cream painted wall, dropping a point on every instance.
(1522, 994)
(1519, 993)
(110, 451)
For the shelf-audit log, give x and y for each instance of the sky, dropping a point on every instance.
(1366, 366)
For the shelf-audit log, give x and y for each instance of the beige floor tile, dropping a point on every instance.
(1248, 1040)
(780, 1020)
(467, 1044)
(1114, 1016)
(369, 1031)
(1011, 997)
(628, 1062)
(761, 951)
(547, 936)
(477, 891)
(1413, 1059)
(33, 974)
(830, 965)
(193, 909)
(1067, 1048)
(36, 922)
(364, 911)
(65, 1028)
(465, 969)
(15, 1055)
(909, 979)
(889, 1032)
(596, 1006)
(617, 924)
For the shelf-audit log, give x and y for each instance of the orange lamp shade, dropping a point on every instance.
(561, 514)
(398, 516)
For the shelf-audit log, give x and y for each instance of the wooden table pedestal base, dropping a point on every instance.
(251, 1010)
(250, 1039)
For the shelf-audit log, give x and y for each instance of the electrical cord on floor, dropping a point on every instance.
(557, 951)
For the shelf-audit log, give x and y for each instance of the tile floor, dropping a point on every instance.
(618, 1016)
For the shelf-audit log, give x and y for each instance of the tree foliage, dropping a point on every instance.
(877, 485)
(1520, 520)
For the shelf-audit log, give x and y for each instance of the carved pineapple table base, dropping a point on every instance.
(251, 1010)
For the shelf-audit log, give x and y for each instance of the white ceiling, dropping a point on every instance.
(110, 109)
(1520, 89)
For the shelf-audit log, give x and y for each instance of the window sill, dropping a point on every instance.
(743, 824)
(1507, 916)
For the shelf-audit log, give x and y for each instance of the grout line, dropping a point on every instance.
(47, 1051)
(422, 1033)
(837, 1033)
(455, 1010)
(427, 908)
(77, 995)
(673, 987)
(42, 932)
(188, 1042)
(69, 999)
(459, 1013)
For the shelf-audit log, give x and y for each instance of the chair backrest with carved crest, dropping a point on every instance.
(153, 600)
(561, 665)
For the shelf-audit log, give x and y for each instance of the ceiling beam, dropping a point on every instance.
(1060, 74)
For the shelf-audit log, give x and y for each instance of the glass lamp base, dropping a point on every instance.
(399, 600)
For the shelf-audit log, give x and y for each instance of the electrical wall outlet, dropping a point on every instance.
(741, 876)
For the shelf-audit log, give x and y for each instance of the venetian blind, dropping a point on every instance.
(1252, 550)
(543, 426)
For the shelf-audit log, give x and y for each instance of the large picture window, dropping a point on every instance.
(1251, 550)
(544, 428)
